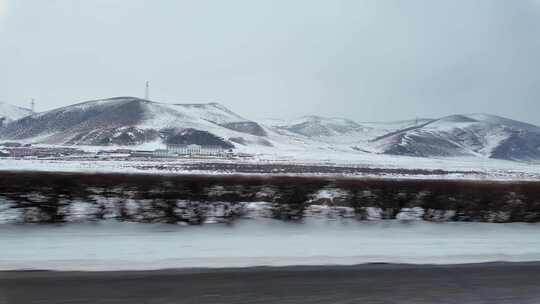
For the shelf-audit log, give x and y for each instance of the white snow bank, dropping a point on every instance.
(124, 246)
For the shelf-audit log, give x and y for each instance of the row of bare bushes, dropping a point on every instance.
(182, 198)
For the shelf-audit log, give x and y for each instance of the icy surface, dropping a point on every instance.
(112, 245)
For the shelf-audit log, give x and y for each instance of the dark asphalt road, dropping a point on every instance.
(479, 283)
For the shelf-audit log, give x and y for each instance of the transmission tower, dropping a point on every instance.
(147, 91)
(33, 105)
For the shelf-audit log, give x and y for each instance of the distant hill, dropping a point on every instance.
(317, 126)
(9, 113)
(471, 135)
(127, 121)
(131, 121)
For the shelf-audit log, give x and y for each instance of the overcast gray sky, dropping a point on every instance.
(365, 60)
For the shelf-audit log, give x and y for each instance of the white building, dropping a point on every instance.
(195, 150)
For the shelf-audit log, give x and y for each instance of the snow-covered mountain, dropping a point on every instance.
(130, 120)
(458, 135)
(479, 135)
(317, 126)
(9, 113)
(332, 129)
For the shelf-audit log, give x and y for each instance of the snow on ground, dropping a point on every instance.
(287, 152)
(485, 168)
(124, 246)
(344, 156)
(370, 160)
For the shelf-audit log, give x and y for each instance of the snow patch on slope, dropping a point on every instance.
(9, 113)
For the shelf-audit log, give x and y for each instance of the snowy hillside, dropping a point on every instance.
(9, 113)
(336, 130)
(317, 126)
(128, 121)
(476, 135)
(465, 135)
(338, 134)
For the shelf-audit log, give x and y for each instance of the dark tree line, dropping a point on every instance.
(46, 197)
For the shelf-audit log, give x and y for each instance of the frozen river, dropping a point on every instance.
(129, 246)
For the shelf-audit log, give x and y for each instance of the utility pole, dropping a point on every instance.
(147, 91)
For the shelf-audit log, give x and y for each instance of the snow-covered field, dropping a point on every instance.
(117, 246)
(470, 168)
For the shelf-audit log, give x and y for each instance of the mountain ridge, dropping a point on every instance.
(124, 121)
(467, 134)
(9, 113)
(129, 120)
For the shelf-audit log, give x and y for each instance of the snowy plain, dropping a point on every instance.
(468, 167)
(262, 242)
